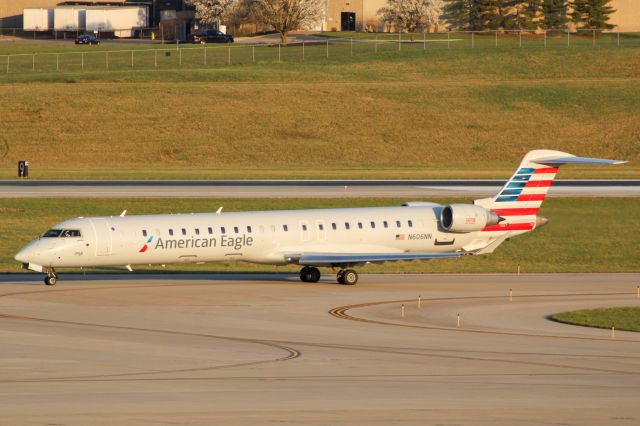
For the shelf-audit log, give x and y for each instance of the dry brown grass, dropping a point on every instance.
(419, 124)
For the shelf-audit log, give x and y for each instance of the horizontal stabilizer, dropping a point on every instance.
(328, 258)
(575, 160)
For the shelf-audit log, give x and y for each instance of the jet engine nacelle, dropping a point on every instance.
(467, 218)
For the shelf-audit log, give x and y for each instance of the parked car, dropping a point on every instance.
(211, 36)
(87, 39)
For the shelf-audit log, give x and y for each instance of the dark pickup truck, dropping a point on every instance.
(211, 36)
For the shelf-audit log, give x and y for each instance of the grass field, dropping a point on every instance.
(627, 318)
(584, 235)
(435, 113)
(491, 40)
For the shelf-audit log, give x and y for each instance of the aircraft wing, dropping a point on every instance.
(320, 259)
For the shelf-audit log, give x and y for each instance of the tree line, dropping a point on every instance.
(477, 15)
(412, 16)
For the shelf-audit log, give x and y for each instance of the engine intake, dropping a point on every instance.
(467, 218)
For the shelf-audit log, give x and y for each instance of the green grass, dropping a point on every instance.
(435, 113)
(457, 40)
(627, 318)
(25, 46)
(584, 235)
(413, 60)
(487, 39)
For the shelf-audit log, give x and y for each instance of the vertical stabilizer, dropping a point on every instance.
(520, 198)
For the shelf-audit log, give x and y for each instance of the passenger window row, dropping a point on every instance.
(285, 228)
(372, 225)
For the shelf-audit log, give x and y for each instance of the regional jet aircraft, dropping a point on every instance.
(337, 238)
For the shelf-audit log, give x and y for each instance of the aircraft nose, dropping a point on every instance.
(23, 255)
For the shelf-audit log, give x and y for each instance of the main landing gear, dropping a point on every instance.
(347, 277)
(310, 274)
(51, 278)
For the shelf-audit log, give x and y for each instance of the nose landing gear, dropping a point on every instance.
(51, 278)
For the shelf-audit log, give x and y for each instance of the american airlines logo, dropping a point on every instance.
(236, 243)
(146, 246)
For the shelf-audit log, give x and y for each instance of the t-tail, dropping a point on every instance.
(520, 198)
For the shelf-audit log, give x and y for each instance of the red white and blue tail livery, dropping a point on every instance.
(520, 198)
(338, 238)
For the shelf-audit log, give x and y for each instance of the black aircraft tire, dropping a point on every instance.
(313, 275)
(303, 274)
(309, 274)
(349, 277)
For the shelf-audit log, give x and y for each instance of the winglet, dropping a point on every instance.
(575, 160)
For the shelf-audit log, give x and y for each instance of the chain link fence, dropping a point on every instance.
(167, 56)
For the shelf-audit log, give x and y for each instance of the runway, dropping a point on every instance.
(264, 349)
(301, 188)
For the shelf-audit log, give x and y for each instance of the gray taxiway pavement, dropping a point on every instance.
(301, 188)
(261, 349)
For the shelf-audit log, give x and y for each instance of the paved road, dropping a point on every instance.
(296, 37)
(301, 188)
(265, 349)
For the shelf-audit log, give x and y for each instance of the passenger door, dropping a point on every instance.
(103, 236)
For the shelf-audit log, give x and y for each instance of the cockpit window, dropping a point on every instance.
(62, 233)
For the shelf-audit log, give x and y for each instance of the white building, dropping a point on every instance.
(122, 21)
(38, 19)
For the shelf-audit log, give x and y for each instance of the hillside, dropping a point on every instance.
(462, 113)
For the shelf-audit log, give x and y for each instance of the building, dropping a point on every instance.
(627, 15)
(341, 15)
(11, 12)
(362, 15)
(353, 15)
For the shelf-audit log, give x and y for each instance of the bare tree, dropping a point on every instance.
(412, 15)
(240, 14)
(211, 11)
(434, 13)
(285, 16)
